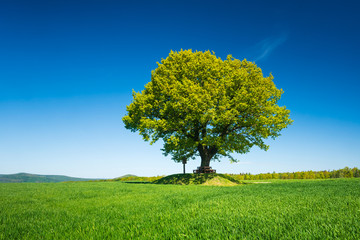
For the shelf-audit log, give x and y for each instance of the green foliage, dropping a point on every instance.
(201, 105)
(341, 173)
(313, 209)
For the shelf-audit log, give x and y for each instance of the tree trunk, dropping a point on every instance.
(206, 154)
(205, 162)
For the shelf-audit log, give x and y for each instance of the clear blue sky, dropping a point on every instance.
(67, 69)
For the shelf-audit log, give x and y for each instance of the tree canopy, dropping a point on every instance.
(201, 105)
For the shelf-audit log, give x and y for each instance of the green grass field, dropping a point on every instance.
(283, 209)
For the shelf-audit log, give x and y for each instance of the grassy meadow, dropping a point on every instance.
(282, 209)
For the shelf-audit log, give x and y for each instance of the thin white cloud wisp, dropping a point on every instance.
(268, 45)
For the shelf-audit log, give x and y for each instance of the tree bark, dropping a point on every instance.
(206, 154)
(205, 162)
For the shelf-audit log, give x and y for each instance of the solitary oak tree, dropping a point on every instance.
(201, 105)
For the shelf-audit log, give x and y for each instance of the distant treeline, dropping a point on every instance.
(341, 173)
(136, 179)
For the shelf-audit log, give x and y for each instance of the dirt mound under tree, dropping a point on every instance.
(210, 179)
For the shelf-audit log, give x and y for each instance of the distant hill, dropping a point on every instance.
(126, 176)
(35, 178)
(129, 178)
